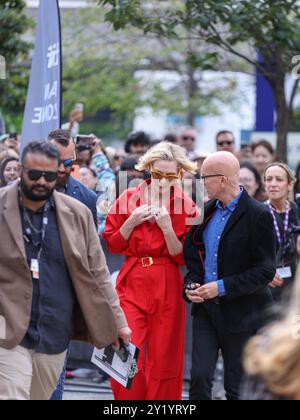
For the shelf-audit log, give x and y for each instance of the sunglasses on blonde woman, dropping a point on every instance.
(169, 177)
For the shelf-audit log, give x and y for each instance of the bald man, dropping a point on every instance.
(231, 259)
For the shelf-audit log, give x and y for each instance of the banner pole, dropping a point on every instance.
(61, 63)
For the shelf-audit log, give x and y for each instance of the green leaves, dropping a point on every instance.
(264, 24)
(123, 12)
(238, 27)
(99, 67)
(13, 24)
(207, 61)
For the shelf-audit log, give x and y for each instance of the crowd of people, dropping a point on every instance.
(73, 212)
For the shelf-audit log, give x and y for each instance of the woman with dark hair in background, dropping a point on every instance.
(9, 171)
(251, 180)
(137, 143)
(263, 155)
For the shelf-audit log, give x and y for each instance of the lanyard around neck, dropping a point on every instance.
(29, 225)
(282, 241)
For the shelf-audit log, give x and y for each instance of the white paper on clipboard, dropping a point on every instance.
(108, 361)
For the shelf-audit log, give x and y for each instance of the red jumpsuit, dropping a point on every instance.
(151, 296)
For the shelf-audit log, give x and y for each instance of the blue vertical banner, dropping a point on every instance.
(43, 105)
(265, 105)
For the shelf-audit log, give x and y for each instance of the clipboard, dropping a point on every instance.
(109, 361)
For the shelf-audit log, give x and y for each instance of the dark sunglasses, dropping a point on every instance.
(67, 162)
(35, 175)
(225, 143)
(187, 138)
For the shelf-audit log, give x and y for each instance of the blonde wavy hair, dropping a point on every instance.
(166, 151)
(274, 355)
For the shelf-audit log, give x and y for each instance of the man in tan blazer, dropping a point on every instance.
(84, 293)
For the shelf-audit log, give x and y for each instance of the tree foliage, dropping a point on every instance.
(98, 70)
(14, 48)
(102, 68)
(239, 27)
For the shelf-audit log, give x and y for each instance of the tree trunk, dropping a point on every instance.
(283, 119)
(191, 93)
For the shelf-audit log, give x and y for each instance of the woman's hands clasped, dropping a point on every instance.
(140, 215)
(147, 213)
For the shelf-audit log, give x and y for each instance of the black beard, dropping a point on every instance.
(62, 183)
(31, 195)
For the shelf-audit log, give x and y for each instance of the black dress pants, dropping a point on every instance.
(209, 337)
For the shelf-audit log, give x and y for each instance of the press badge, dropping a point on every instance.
(284, 272)
(35, 269)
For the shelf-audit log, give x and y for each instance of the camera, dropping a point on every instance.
(292, 234)
(294, 230)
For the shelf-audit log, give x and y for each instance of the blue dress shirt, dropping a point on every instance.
(212, 236)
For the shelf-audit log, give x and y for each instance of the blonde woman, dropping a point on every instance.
(279, 182)
(272, 359)
(148, 225)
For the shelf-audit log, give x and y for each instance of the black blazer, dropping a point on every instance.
(246, 262)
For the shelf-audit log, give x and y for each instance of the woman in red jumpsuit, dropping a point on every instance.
(148, 225)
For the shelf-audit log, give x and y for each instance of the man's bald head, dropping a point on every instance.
(221, 173)
(224, 163)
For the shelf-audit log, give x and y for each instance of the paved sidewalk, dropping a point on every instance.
(85, 389)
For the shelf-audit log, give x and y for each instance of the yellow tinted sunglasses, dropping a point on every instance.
(169, 177)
